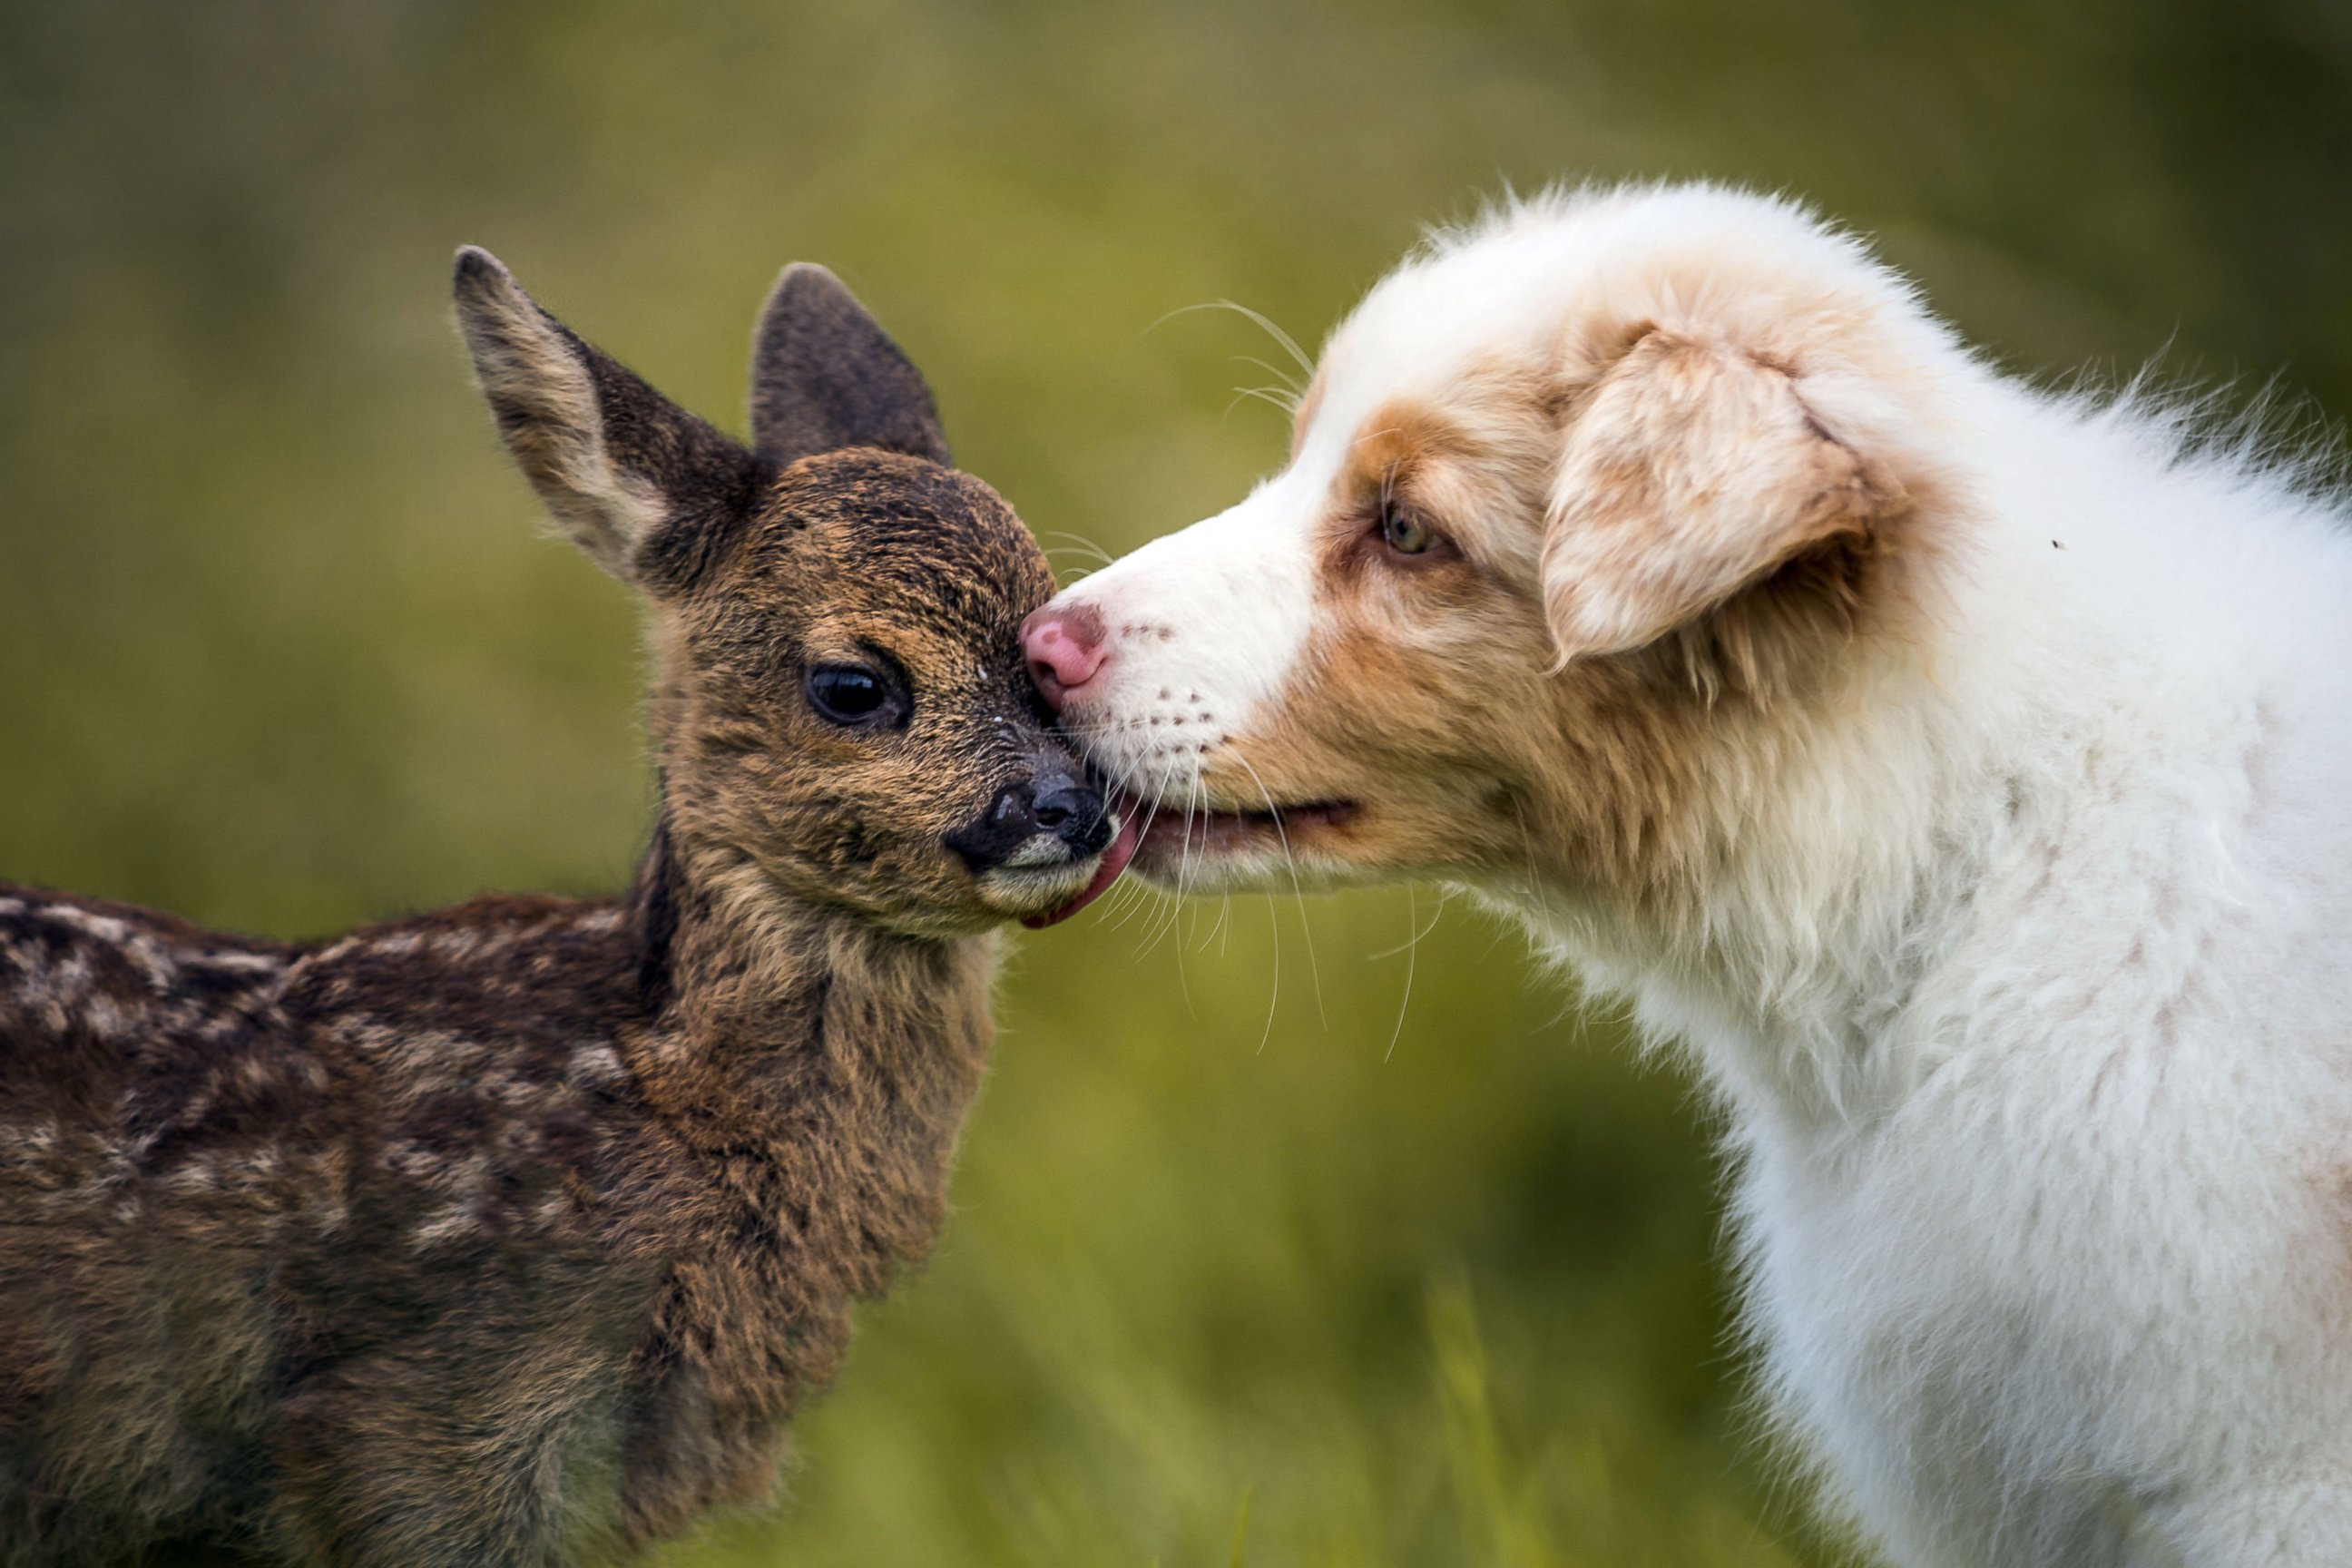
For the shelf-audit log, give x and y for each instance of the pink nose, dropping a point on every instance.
(1064, 648)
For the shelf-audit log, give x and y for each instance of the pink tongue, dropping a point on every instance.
(1114, 861)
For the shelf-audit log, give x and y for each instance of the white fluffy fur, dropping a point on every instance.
(2024, 994)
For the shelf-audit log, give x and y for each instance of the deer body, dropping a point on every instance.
(443, 1201)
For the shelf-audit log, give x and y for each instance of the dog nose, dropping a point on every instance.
(1074, 813)
(1066, 647)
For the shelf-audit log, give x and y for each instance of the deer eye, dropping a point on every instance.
(848, 693)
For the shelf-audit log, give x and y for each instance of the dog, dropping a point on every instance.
(511, 1234)
(1958, 774)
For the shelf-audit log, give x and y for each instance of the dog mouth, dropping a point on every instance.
(1162, 837)
(1174, 836)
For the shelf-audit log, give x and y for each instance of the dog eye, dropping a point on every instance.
(846, 694)
(1404, 532)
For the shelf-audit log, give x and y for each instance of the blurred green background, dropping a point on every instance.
(1272, 1227)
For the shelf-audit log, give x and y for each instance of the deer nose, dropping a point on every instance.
(1058, 801)
(1066, 647)
(1074, 813)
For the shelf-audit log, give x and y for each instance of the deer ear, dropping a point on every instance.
(637, 482)
(825, 376)
(1692, 470)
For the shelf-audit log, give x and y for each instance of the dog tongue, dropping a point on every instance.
(1114, 861)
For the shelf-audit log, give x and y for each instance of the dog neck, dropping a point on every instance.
(1836, 852)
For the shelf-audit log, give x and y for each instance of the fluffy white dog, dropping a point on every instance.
(1959, 774)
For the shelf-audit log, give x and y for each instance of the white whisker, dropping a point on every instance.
(1287, 383)
(1077, 542)
(1289, 344)
(1411, 953)
(1263, 395)
(1313, 969)
(1273, 992)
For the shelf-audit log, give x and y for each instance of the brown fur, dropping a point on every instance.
(509, 1234)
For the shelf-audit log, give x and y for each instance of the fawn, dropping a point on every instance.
(509, 1234)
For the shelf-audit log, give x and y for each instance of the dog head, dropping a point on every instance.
(1577, 500)
(841, 709)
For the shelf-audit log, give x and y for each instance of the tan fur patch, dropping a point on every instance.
(1433, 696)
(1692, 470)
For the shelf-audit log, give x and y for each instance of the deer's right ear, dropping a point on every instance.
(637, 482)
(825, 375)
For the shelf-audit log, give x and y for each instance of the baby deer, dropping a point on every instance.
(509, 1234)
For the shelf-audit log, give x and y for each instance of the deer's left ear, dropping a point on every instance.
(641, 485)
(1691, 469)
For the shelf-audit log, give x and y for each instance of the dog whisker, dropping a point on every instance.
(1286, 383)
(1274, 992)
(1288, 344)
(1281, 833)
(1262, 395)
(1077, 542)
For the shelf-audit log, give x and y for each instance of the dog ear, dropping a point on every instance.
(632, 479)
(825, 376)
(1692, 470)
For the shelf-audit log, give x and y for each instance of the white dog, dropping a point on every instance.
(1959, 774)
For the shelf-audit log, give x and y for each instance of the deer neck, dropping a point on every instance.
(773, 1023)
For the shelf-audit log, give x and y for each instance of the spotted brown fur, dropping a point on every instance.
(509, 1234)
